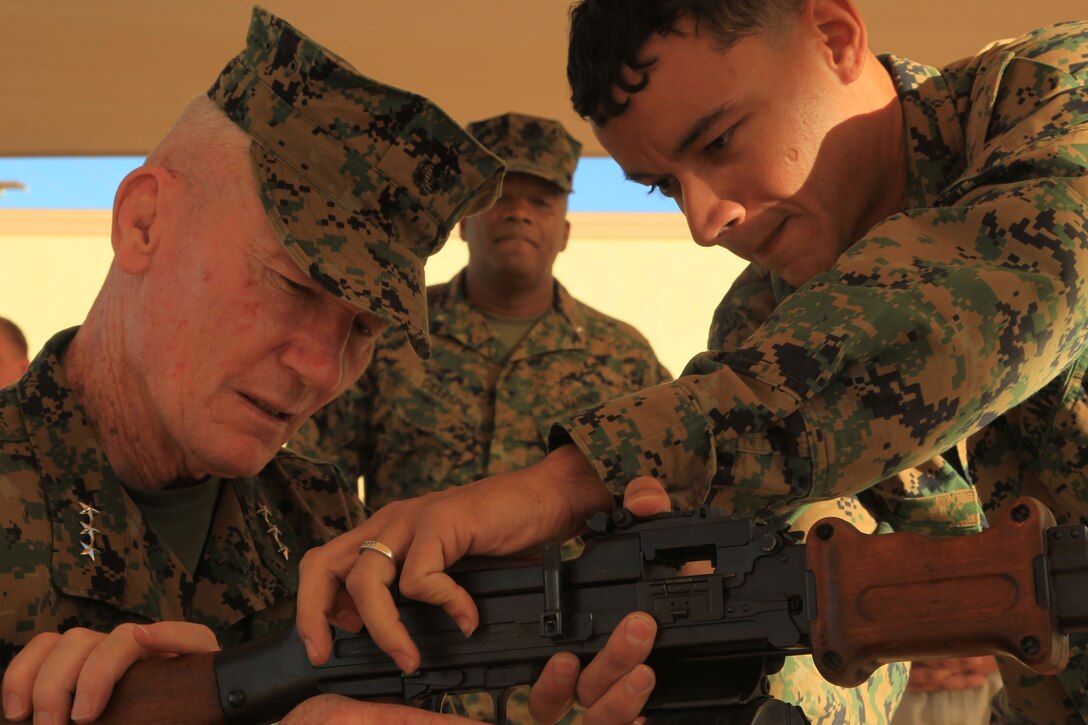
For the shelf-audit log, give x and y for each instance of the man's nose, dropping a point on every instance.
(709, 212)
(515, 207)
(318, 348)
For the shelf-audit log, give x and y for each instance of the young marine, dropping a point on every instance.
(912, 325)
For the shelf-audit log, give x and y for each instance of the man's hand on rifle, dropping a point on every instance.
(502, 515)
(615, 698)
(42, 678)
(498, 516)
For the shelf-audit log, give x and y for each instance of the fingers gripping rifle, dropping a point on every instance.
(854, 601)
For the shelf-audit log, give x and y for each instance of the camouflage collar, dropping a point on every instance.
(453, 316)
(934, 131)
(128, 563)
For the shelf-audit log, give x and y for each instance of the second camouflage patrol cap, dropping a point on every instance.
(361, 181)
(531, 145)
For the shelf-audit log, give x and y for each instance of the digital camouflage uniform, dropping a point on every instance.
(52, 469)
(412, 426)
(957, 325)
(360, 190)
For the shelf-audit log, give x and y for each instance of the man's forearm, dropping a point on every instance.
(582, 492)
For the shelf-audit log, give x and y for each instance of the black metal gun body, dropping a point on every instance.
(854, 600)
(719, 634)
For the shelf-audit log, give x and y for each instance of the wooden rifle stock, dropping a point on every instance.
(855, 601)
(907, 597)
(904, 596)
(167, 691)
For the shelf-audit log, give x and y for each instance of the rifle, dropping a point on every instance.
(854, 601)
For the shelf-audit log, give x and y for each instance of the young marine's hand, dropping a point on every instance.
(645, 496)
(614, 687)
(42, 678)
(502, 515)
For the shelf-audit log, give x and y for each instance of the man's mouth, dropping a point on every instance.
(267, 408)
(766, 250)
(514, 238)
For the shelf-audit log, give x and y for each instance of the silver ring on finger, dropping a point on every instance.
(372, 545)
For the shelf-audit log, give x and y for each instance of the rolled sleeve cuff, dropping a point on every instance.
(659, 432)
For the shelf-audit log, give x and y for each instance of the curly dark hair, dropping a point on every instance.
(607, 35)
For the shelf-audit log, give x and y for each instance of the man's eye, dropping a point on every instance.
(721, 142)
(365, 327)
(292, 286)
(661, 186)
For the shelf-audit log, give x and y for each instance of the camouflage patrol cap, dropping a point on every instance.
(361, 181)
(531, 145)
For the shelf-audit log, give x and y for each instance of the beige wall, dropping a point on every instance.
(641, 268)
(51, 266)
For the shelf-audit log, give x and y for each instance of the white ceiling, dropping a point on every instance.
(107, 76)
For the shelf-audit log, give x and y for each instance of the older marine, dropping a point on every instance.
(267, 241)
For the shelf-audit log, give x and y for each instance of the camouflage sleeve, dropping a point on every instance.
(935, 323)
(339, 432)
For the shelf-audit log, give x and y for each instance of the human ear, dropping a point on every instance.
(843, 35)
(566, 235)
(137, 208)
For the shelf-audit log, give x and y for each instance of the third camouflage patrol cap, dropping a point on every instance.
(361, 181)
(531, 145)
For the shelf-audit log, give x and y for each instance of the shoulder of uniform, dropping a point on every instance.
(1063, 45)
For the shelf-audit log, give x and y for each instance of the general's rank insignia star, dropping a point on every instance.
(89, 550)
(89, 531)
(274, 531)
